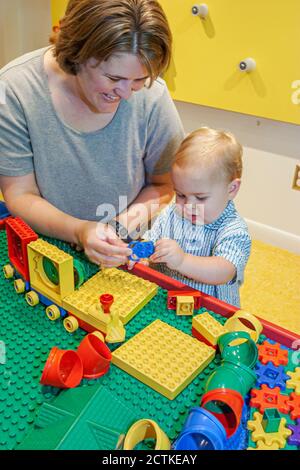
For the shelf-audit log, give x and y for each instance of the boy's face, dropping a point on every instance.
(200, 196)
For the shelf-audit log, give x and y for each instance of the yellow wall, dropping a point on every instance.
(57, 10)
(206, 54)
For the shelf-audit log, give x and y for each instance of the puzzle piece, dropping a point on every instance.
(273, 353)
(260, 445)
(294, 439)
(258, 433)
(269, 398)
(294, 403)
(294, 381)
(270, 375)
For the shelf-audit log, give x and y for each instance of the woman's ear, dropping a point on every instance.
(233, 188)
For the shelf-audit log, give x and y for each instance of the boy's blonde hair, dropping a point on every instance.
(214, 149)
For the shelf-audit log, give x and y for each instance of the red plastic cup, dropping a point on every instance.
(63, 369)
(226, 405)
(95, 356)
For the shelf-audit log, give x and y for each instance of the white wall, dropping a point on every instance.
(25, 25)
(271, 152)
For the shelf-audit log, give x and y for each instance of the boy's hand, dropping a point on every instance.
(130, 263)
(169, 252)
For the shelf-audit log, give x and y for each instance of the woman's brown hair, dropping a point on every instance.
(100, 28)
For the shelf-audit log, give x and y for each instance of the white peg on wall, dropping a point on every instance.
(200, 10)
(247, 65)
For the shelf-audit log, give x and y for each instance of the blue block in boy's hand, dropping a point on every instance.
(143, 249)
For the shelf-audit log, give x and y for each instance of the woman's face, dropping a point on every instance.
(104, 86)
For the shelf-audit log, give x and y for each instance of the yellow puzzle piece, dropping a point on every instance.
(294, 381)
(269, 438)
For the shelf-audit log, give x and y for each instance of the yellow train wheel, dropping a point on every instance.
(32, 298)
(19, 285)
(8, 271)
(53, 312)
(71, 324)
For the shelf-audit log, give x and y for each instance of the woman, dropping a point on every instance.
(88, 130)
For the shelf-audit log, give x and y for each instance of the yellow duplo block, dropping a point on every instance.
(163, 358)
(184, 305)
(115, 331)
(268, 438)
(294, 381)
(130, 294)
(51, 270)
(208, 327)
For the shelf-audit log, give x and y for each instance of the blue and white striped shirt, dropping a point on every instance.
(227, 237)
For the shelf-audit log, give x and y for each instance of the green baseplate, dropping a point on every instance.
(26, 337)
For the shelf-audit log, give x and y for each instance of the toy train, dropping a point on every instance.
(46, 274)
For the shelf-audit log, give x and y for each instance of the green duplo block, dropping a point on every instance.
(271, 420)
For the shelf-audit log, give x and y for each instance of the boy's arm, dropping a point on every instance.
(227, 263)
(207, 270)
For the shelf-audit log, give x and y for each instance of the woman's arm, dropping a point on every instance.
(23, 199)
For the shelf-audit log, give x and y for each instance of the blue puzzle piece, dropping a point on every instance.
(271, 375)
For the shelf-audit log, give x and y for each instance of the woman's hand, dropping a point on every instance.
(132, 263)
(102, 245)
(169, 252)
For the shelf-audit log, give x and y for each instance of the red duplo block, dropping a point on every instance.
(198, 336)
(172, 294)
(19, 234)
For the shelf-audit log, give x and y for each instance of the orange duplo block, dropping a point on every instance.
(63, 369)
(95, 356)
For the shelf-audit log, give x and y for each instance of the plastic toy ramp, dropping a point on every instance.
(163, 358)
(80, 419)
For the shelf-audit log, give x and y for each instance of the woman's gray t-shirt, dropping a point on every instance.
(78, 171)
